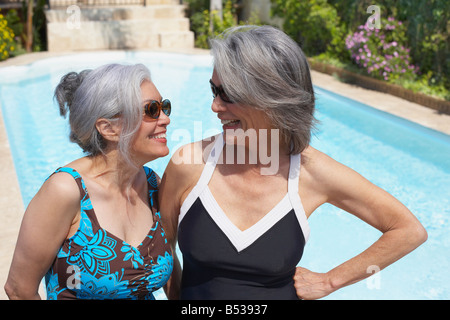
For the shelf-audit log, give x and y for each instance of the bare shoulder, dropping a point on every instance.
(184, 169)
(59, 197)
(323, 179)
(62, 186)
(331, 178)
(180, 177)
(55, 205)
(317, 163)
(188, 161)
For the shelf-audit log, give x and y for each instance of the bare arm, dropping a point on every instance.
(346, 189)
(170, 208)
(179, 178)
(45, 225)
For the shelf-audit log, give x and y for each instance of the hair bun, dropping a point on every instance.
(65, 90)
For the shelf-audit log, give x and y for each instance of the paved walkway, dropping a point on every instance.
(11, 201)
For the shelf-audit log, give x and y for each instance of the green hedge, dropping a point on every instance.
(322, 27)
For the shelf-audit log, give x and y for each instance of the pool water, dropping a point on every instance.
(409, 161)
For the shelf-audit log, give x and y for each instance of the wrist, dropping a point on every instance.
(334, 282)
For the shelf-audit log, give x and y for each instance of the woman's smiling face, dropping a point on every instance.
(150, 141)
(235, 116)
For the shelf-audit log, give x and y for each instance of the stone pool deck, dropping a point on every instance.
(11, 200)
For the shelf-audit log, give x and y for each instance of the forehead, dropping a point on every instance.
(215, 78)
(149, 91)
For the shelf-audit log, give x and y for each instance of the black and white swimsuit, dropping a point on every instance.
(220, 261)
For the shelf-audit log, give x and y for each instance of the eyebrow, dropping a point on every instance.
(148, 100)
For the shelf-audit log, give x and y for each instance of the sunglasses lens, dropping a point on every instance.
(218, 91)
(154, 108)
(166, 107)
(224, 97)
(213, 89)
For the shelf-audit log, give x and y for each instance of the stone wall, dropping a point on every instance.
(125, 27)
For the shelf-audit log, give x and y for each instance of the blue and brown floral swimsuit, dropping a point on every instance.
(95, 264)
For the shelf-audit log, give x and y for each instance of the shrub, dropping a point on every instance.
(382, 52)
(6, 39)
(208, 25)
(314, 24)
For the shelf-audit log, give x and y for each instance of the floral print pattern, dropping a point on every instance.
(94, 264)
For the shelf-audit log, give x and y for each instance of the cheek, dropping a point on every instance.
(147, 128)
(140, 135)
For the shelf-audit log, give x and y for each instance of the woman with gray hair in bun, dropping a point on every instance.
(93, 229)
(241, 214)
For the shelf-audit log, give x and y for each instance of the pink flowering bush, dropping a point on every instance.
(382, 52)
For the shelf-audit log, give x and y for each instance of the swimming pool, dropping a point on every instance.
(409, 161)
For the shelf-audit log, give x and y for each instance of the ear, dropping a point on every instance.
(108, 130)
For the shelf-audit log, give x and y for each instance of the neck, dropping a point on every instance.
(115, 171)
(261, 152)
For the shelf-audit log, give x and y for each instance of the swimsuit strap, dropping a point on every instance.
(206, 175)
(294, 197)
(211, 163)
(76, 176)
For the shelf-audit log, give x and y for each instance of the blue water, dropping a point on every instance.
(409, 161)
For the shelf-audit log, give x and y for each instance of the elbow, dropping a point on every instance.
(14, 292)
(417, 235)
(410, 235)
(422, 235)
(11, 292)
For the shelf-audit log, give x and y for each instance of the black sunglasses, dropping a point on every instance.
(153, 108)
(218, 91)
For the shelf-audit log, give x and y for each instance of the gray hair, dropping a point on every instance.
(263, 67)
(105, 92)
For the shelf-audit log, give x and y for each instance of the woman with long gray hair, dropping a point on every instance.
(93, 230)
(241, 214)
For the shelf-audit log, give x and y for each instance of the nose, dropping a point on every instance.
(163, 119)
(218, 105)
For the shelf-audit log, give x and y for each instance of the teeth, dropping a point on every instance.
(159, 136)
(224, 122)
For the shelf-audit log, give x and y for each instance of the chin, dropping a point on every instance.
(160, 152)
(166, 152)
(154, 154)
(239, 137)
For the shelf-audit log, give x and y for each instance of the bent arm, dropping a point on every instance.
(346, 189)
(44, 227)
(402, 232)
